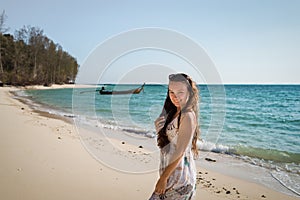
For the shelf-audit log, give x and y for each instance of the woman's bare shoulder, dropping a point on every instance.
(188, 115)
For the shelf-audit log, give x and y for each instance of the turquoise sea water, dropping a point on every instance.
(259, 124)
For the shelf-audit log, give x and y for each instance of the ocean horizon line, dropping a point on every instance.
(226, 84)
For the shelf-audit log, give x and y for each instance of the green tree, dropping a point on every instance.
(30, 57)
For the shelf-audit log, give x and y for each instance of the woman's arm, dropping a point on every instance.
(185, 135)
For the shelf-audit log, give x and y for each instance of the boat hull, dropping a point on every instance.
(109, 92)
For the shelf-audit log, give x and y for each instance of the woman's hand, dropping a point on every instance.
(161, 185)
(159, 123)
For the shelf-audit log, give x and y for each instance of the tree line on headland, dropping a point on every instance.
(29, 57)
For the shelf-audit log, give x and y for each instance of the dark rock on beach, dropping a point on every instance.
(210, 160)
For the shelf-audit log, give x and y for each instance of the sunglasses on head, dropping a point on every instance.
(180, 77)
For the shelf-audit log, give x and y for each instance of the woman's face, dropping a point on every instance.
(178, 93)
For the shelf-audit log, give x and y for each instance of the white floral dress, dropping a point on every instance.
(181, 183)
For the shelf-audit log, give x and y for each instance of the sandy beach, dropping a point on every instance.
(43, 157)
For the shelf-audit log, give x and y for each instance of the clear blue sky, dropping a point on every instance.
(250, 41)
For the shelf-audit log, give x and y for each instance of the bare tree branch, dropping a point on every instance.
(3, 28)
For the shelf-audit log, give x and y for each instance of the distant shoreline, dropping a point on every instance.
(59, 86)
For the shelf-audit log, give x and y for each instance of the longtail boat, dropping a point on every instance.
(111, 92)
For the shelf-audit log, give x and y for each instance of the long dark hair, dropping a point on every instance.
(170, 110)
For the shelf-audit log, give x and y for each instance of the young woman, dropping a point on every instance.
(177, 133)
